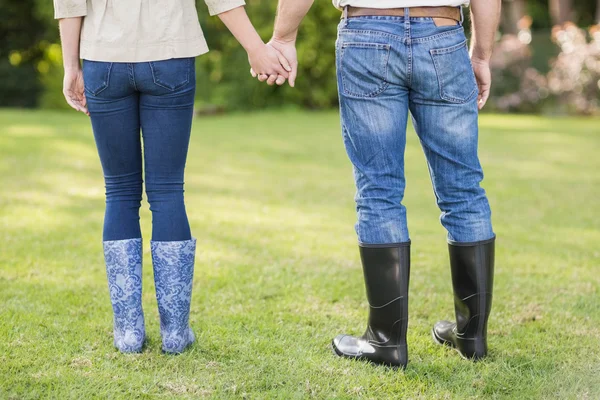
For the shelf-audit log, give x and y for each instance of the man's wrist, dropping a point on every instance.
(285, 38)
(483, 55)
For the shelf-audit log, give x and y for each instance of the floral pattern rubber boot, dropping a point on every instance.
(124, 271)
(173, 275)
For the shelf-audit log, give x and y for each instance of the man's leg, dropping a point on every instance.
(374, 114)
(444, 108)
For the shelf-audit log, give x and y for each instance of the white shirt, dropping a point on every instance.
(398, 3)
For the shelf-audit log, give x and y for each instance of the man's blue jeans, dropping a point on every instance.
(388, 66)
(158, 99)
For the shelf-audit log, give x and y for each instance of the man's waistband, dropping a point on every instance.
(427, 12)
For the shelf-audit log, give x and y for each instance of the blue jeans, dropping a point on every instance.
(158, 99)
(388, 66)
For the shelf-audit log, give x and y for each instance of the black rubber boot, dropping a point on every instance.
(386, 272)
(472, 268)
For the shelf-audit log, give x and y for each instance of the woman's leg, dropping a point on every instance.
(166, 112)
(114, 110)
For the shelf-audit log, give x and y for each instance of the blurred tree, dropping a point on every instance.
(561, 11)
(512, 12)
(20, 53)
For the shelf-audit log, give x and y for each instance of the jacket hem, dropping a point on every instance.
(144, 53)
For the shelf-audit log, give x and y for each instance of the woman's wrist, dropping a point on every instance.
(252, 45)
(72, 65)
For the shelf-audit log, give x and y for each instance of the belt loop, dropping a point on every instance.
(462, 15)
(345, 16)
(407, 22)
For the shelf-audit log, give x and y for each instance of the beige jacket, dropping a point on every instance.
(140, 30)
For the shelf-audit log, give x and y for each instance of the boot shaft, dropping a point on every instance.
(124, 272)
(386, 272)
(173, 264)
(472, 269)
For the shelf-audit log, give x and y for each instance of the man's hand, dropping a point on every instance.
(74, 91)
(485, 15)
(269, 64)
(483, 75)
(288, 50)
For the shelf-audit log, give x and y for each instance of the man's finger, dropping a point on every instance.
(284, 62)
(263, 77)
(254, 74)
(293, 75)
(483, 98)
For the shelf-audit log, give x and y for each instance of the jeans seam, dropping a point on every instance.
(131, 76)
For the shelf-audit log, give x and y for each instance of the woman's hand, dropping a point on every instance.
(74, 91)
(269, 64)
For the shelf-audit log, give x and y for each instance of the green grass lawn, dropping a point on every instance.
(270, 199)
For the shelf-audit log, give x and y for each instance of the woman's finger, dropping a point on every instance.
(254, 74)
(263, 77)
(76, 104)
(70, 102)
(272, 79)
(280, 80)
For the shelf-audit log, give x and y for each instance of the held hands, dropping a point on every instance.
(285, 68)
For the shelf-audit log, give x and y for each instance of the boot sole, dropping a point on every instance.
(446, 343)
(338, 353)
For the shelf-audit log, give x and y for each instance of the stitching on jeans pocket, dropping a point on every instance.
(164, 78)
(378, 77)
(451, 87)
(93, 76)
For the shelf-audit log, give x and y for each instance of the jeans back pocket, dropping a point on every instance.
(363, 68)
(96, 76)
(455, 73)
(172, 74)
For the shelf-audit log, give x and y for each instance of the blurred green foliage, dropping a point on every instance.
(31, 71)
